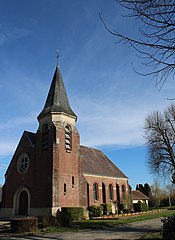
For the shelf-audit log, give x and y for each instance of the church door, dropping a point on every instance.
(104, 192)
(23, 203)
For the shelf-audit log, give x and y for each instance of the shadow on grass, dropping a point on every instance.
(154, 236)
(95, 224)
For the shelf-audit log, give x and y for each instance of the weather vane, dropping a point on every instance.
(57, 57)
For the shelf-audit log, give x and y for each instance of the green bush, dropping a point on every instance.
(171, 208)
(107, 208)
(120, 208)
(21, 225)
(75, 212)
(125, 210)
(95, 211)
(140, 207)
(47, 221)
(169, 228)
(69, 214)
(144, 207)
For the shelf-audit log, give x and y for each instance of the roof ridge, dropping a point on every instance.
(91, 148)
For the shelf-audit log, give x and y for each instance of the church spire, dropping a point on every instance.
(57, 101)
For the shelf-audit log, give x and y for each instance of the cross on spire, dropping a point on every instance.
(57, 57)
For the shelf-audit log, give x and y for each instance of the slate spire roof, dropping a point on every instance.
(57, 100)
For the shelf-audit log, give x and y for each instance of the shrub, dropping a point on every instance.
(125, 210)
(140, 207)
(169, 228)
(137, 207)
(95, 211)
(29, 224)
(144, 207)
(76, 212)
(66, 219)
(68, 215)
(107, 208)
(120, 208)
(47, 221)
(171, 208)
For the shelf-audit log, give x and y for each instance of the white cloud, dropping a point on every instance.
(2, 38)
(111, 128)
(117, 120)
(2, 166)
(7, 147)
(11, 130)
(11, 33)
(15, 122)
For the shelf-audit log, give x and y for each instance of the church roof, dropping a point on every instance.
(137, 195)
(95, 162)
(57, 100)
(31, 137)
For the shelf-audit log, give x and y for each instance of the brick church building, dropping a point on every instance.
(50, 169)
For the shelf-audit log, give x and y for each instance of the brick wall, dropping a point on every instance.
(106, 181)
(65, 167)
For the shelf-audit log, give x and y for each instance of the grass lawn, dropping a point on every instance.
(154, 236)
(100, 223)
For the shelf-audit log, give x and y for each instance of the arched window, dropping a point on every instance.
(45, 132)
(118, 193)
(123, 191)
(95, 190)
(110, 192)
(68, 138)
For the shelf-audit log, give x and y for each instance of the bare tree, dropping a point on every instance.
(160, 139)
(156, 44)
(158, 194)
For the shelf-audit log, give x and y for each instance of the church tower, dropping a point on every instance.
(58, 144)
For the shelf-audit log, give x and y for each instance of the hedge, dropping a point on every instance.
(47, 221)
(95, 210)
(69, 214)
(107, 208)
(140, 207)
(169, 228)
(20, 225)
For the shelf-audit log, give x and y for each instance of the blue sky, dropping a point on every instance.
(109, 98)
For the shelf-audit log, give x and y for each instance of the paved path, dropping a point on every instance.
(125, 231)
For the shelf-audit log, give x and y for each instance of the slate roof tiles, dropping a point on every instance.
(57, 100)
(137, 195)
(95, 162)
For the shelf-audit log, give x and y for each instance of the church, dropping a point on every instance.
(50, 169)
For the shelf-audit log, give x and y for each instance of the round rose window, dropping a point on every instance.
(23, 163)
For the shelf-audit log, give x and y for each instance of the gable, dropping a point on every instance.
(26, 142)
(95, 162)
